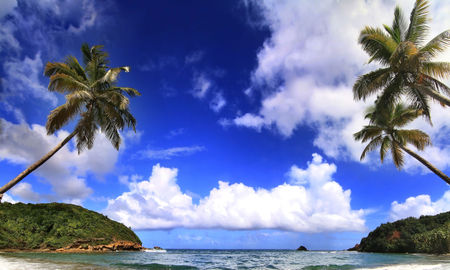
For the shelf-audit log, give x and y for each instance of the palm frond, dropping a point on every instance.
(372, 145)
(86, 53)
(109, 78)
(370, 83)
(397, 155)
(72, 62)
(419, 101)
(418, 23)
(61, 115)
(367, 133)
(415, 137)
(86, 129)
(125, 90)
(62, 83)
(384, 147)
(404, 115)
(391, 94)
(437, 45)
(397, 30)
(398, 25)
(436, 69)
(377, 44)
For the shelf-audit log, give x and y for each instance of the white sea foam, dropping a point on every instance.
(410, 267)
(13, 263)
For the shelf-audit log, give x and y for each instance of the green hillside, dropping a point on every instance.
(427, 234)
(57, 225)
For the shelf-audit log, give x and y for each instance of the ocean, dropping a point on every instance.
(225, 259)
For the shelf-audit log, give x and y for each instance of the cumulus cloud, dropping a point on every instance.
(419, 205)
(7, 198)
(66, 170)
(25, 192)
(170, 152)
(307, 67)
(311, 202)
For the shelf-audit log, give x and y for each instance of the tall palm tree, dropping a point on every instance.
(408, 68)
(92, 94)
(383, 132)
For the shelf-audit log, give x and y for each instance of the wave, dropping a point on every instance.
(409, 267)
(155, 266)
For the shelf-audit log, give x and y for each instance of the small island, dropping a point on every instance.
(59, 227)
(302, 248)
(427, 234)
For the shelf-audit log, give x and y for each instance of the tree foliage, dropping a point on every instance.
(427, 234)
(56, 225)
(408, 68)
(91, 92)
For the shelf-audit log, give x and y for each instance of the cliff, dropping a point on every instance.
(427, 234)
(61, 227)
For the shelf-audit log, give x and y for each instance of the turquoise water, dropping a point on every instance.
(224, 259)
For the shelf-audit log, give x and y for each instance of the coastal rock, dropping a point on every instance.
(115, 246)
(355, 248)
(302, 248)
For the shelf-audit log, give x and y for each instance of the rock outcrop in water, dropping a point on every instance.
(62, 228)
(302, 248)
(427, 234)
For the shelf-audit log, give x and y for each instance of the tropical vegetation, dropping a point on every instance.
(408, 69)
(91, 93)
(427, 234)
(384, 132)
(57, 225)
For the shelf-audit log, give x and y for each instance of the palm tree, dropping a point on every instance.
(383, 132)
(92, 93)
(408, 68)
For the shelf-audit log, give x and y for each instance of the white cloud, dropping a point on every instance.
(310, 63)
(7, 198)
(170, 152)
(22, 79)
(318, 204)
(66, 170)
(25, 192)
(419, 205)
(218, 102)
(202, 84)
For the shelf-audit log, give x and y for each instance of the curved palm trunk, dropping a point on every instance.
(426, 163)
(436, 96)
(35, 165)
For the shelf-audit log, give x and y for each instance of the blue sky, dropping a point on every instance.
(245, 123)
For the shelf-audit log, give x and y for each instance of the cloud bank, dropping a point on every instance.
(306, 69)
(419, 205)
(66, 171)
(311, 202)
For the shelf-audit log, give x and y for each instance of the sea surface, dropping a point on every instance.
(224, 259)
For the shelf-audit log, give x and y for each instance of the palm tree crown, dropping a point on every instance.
(384, 132)
(91, 92)
(407, 63)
